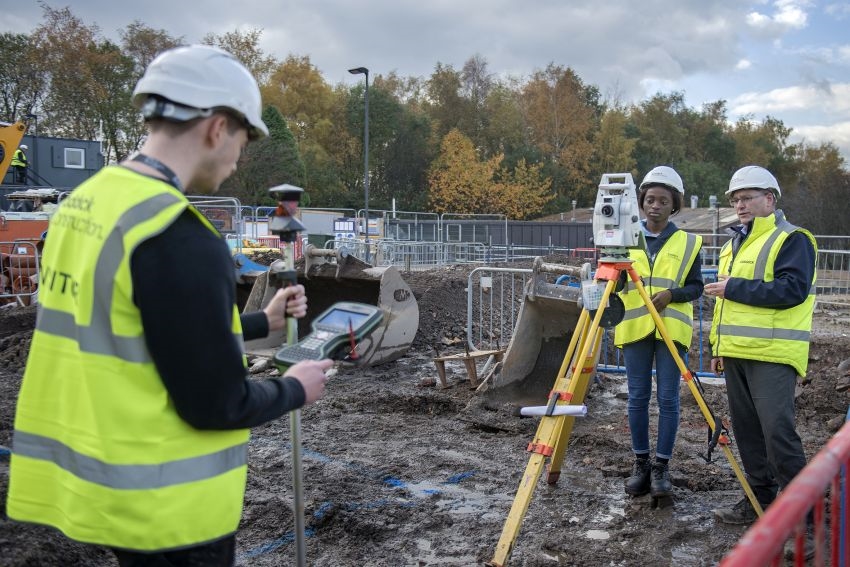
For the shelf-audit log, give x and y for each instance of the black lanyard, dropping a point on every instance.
(169, 174)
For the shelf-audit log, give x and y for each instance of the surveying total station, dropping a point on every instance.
(616, 228)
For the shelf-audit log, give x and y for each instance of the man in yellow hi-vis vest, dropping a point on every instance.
(760, 334)
(19, 164)
(132, 423)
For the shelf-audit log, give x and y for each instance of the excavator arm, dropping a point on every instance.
(10, 138)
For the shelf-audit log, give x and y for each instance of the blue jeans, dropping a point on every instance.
(639, 357)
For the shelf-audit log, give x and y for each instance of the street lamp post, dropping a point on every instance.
(34, 168)
(365, 71)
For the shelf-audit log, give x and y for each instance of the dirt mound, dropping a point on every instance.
(398, 474)
(16, 327)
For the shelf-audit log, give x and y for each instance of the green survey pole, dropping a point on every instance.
(283, 223)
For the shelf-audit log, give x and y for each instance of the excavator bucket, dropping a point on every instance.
(329, 276)
(545, 324)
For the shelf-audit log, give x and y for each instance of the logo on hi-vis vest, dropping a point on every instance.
(81, 224)
(61, 282)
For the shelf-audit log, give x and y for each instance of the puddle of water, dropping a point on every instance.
(684, 554)
(597, 534)
(428, 556)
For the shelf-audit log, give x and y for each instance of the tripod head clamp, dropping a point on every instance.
(282, 221)
(616, 217)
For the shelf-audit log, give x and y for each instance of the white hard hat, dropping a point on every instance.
(199, 79)
(663, 175)
(24, 147)
(753, 177)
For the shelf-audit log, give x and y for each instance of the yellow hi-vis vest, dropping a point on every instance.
(670, 269)
(99, 451)
(19, 158)
(762, 333)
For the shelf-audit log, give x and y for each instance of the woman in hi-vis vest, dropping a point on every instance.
(670, 269)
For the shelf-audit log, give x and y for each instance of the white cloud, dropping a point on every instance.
(831, 99)
(838, 134)
(787, 15)
(839, 10)
(743, 64)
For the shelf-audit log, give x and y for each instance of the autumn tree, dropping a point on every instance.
(143, 43)
(62, 42)
(462, 183)
(316, 114)
(819, 197)
(560, 112)
(521, 193)
(23, 77)
(458, 180)
(245, 46)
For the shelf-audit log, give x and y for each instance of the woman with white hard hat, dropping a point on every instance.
(670, 268)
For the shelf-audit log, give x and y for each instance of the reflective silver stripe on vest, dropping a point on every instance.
(782, 227)
(762, 333)
(690, 244)
(641, 311)
(129, 477)
(666, 283)
(98, 338)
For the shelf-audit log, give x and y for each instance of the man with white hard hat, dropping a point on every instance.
(133, 420)
(19, 164)
(760, 334)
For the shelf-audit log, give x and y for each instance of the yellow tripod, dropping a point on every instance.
(553, 433)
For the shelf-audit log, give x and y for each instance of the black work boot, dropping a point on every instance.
(660, 485)
(638, 483)
(741, 513)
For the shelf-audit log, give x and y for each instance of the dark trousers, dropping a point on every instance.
(221, 553)
(20, 174)
(761, 403)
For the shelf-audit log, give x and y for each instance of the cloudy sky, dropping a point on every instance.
(785, 58)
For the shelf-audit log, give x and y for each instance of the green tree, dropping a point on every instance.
(612, 148)
(266, 163)
(445, 105)
(661, 136)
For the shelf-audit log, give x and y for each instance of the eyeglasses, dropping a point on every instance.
(734, 201)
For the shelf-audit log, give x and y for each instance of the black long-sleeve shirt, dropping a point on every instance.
(185, 287)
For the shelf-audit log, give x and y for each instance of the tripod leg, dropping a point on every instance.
(579, 390)
(550, 433)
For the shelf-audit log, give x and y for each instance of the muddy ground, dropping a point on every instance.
(400, 474)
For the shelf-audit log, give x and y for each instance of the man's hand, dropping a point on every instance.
(311, 375)
(717, 365)
(718, 288)
(287, 302)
